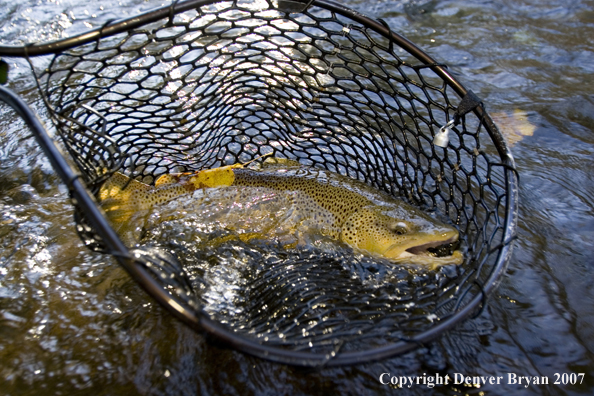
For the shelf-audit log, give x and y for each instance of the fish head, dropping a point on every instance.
(400, 233)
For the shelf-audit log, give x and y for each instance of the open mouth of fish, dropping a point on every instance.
(443, 248)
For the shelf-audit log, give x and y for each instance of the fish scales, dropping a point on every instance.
(328, 205)
(342, 208)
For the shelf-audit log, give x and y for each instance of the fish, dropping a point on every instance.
(339, 207)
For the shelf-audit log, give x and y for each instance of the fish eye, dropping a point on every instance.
(399, 228)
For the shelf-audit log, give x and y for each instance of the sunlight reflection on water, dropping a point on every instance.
(72, 320)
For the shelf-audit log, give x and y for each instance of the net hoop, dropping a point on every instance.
(136, 265)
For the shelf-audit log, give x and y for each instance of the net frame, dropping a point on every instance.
(150, 268)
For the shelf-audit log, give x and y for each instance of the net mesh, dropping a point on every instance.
(226, 82)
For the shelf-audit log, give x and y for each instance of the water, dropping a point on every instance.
(72, 321)
(267, 261)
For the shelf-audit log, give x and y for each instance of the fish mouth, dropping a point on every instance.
(437, 249)
(424, 249)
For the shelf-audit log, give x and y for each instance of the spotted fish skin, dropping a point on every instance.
(350, 211)
(337, 206)
(326, 205)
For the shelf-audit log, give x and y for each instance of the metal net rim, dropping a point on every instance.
(202, 322)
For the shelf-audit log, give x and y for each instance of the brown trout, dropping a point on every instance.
(344, 209)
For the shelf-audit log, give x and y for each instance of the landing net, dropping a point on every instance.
(203, 84)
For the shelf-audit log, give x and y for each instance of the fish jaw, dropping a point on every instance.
(419, 247)
(431, 262)
(401, 235)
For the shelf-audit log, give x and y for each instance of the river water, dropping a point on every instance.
(72, 321)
